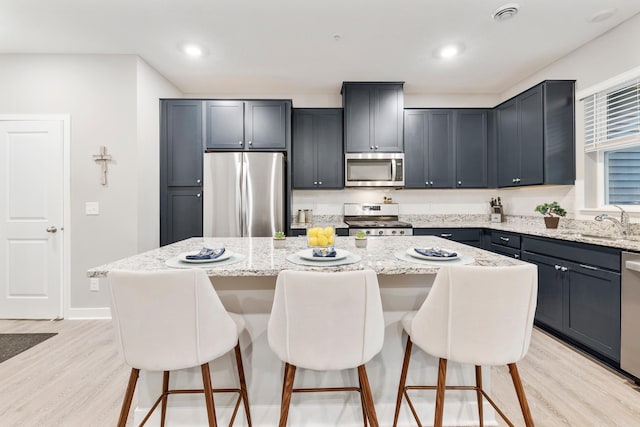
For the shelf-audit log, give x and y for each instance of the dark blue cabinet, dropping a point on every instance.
(373, 117)
(428, 138)
(578, 292)
(318, 159)
(535, 134)
(181, 148)
(470, 142)
(468, 236)
(247, 125)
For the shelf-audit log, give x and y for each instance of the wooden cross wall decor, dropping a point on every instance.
(103, 158)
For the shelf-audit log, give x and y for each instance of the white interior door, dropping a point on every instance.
(31, 215)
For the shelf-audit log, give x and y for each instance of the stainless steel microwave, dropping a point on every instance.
(374, 170)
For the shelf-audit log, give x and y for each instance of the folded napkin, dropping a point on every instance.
(435, 252)
(324, 252)
(207, 253)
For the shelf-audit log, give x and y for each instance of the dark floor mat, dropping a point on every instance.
(12, 344)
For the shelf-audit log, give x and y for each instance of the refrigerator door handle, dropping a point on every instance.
(244, 203)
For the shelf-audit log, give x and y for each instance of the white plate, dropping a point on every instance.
(183, 257)
(415, 254)
(308, 255)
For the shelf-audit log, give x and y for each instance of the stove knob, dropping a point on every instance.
(368, 232)
(381, 232)
(401, 231)
(393, 232)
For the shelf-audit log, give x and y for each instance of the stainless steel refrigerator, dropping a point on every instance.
(243, 194)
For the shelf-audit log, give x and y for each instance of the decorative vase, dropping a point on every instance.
(361, 243)
(551, 221)
(279, 243)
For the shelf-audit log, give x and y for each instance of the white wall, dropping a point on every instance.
(151, 86)
(111, 101)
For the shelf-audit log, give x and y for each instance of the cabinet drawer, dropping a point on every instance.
(585, 254)
(456, 234)
(505, 250)
(505, 239)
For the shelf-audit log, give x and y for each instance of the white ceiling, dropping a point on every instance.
(287, 46)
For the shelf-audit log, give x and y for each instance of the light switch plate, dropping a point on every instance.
(92, 208)
(94, 284)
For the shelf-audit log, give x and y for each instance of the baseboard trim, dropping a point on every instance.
(89, 313)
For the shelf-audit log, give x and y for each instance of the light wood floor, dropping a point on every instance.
(77, 379)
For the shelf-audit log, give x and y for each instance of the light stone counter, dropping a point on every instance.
(263, 260)
(247, 288)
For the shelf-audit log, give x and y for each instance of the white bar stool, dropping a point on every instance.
(326, 321)
(171, 320)
(477, 315)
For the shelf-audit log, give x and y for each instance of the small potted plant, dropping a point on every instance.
(279, 240)
(552, 213)
(361, 239)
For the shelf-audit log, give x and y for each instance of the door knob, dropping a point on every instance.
(52, 229)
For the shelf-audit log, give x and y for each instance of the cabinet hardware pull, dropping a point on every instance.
(513, 180)
(459, 182)
(426, 183)
(315, 182)
(430, 182)
(250, 142)
(563, 269)
(557, 267)
(377, 147)
(516, 256)
(197, 181)
(319, 182)
(504, 239)
(517, 179)
(371, 147)
(240, 142)
(198, 195)
(52, 229)
(446, 235)
(589, 267)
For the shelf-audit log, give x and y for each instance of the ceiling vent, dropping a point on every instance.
(505, 12)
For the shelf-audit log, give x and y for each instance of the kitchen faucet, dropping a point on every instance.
(622, 224)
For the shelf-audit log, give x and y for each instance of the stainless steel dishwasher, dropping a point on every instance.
(630, 315)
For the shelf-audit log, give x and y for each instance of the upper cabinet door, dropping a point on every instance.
(530, 121)
(318, 156)
(508, 144)
(388, 106)
(440, 148)
(471, 148)
(265, 125)
(373, 117)
(182, 149)
(225, 124)
(358, 118)
(415, 167)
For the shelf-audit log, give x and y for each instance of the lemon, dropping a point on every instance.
(323, 241)
(312, 232)
(331, 239)
(328, 231)
(313, 240)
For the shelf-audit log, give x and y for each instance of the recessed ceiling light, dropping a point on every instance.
(192, 50)
(449, 51)
(505, 12)
(337, 37)
(603, 15)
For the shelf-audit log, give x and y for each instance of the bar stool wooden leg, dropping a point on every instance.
(368, 397)
(128, 397)
(479, 394)
(403, 380)
(442, 379)
(208, 395)
(362, 403)
(522, 398)
(165, 389)
(243, 383)
(287, 389)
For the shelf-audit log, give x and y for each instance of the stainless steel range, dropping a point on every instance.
(375, 219)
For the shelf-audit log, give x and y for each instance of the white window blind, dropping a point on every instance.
(622, 174)
(612, 117)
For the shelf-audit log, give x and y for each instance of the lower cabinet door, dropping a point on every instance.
(593, 314)
(550, 290)
(182, 216)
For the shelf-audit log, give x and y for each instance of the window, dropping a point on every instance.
(612, 133)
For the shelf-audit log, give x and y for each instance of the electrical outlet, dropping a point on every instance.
(92, 208)
(94, 284)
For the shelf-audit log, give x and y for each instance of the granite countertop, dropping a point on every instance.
(263, 260)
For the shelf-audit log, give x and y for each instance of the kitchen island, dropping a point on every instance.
(247, 286)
